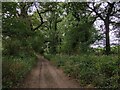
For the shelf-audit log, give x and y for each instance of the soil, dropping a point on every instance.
(46, 75)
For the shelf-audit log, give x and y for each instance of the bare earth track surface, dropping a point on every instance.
(45, 75)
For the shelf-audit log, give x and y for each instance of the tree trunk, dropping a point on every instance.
(107, 47)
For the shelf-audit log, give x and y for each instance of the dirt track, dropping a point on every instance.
(45, 75)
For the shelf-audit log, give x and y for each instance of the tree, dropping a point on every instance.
(79, 31)
(105, 11)
(15, 31)
(52, 18)
(77, 35)
(18, 33)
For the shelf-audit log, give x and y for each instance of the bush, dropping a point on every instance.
(15, 69)
(92, 70)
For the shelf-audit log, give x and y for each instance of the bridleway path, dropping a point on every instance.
(45, 75)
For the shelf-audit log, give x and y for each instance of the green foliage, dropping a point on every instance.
(37, 42)
(15, 69)
(67, 28)
(77, 35)
(9, 7)
(18, 55)
(11, 47)
(90, 70)
(115, 49)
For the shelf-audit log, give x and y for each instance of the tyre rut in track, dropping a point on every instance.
(45, 75)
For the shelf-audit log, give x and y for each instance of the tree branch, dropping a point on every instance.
(38, 26)
(111, 6)
(41, 19)
(94, 10)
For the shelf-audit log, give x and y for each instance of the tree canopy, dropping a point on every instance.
(57, 27)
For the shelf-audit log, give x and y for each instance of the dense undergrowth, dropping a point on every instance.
(90, 70)
(15, 68)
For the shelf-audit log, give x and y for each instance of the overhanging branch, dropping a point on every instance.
(94, 10)
(41, 19)
(38, 26)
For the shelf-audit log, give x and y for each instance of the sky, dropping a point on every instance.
(101, 43)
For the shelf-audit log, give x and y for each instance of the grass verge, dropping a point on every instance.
(90, 70)
(15, 68)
